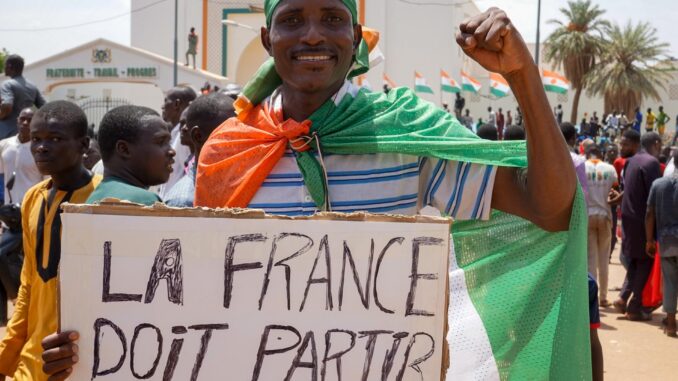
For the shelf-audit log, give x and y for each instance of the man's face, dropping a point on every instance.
(170, 109)
(24, 122)
(184, 135)
(627, 148)
(312, 42)
(151, 156)
(611, 154)
(92, 156)
(55, 147)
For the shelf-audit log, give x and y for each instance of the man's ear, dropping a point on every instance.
(84, 144)
(266, 39)
(357, 36)
(196, 136)
(122, 149)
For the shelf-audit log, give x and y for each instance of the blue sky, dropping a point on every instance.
(39, 14)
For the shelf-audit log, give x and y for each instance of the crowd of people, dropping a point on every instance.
(631, 184)
(187, 156)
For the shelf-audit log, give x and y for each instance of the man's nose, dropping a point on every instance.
(41, 147)
(313, 34)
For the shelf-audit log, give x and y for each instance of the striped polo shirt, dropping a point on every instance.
(380, 183)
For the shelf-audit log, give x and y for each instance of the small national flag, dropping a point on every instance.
(448, 84)
(363, 82)
(499, 87)
(469, 83)
(388, 81)
(555, 82)
(420, 85)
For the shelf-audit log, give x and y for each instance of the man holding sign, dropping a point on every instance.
(395, 153)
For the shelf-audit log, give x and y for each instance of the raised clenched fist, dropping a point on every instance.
(493, 41)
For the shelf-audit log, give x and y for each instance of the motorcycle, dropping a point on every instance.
(11, 252)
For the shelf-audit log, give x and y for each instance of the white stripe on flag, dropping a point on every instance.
(471, 356)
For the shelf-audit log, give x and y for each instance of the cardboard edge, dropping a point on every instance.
(117, 207)
(445, 361)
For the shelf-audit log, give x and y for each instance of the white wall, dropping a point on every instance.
(153, 27)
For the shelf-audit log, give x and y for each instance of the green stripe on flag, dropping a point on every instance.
(555, 89)
(497, 93)
(423, 89)
(467, 87)
(450, 89)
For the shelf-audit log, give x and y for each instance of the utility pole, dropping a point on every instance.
(536, 51)
(176, 41)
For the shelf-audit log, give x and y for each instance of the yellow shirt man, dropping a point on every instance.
(36, 311)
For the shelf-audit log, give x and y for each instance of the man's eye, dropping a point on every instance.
(335, 19)
(56, 140)
(292, 20)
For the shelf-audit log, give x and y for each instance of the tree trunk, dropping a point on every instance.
(575, 105)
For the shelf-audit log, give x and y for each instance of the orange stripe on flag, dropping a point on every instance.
(498, 78)
(389, 81)
(553, 74)
(416, 74)
(443, 73)
(471, 79)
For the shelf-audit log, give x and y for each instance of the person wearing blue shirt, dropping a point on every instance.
(639, 120)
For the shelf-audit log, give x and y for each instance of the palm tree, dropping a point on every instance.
(576, 43)
(634, 64)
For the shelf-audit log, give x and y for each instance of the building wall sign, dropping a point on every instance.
(102, 72)
(103, 61)
(101, 55)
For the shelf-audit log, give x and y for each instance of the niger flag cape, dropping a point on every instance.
(527, 312)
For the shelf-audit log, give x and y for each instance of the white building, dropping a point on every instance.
(102, 74)
(414, 36)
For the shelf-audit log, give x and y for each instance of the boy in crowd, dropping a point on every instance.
(135, 148)
(58, 141)
(16, 160)
(661, 214)
(202, 117)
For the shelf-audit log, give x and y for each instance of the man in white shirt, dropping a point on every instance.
(17, 160)
(176, 101)
(600, 177)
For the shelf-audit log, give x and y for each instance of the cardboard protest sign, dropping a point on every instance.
(163, 294)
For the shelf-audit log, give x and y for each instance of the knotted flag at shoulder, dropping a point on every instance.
(448, 84)
(469, 83)
(555, 82)
(499, 87)
(420, 84)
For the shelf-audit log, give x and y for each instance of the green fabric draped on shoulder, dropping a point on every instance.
(529, 286)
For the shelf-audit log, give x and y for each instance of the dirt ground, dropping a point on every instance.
(635, 350)
(632, 350)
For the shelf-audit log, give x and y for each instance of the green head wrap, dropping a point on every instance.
(271, 5)
(266, 80)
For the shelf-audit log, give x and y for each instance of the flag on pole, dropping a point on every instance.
(469, 83)
(499, 87)
(555, 82)
(388, 81)
(448, 84)
(420, 85)
(363, 82)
